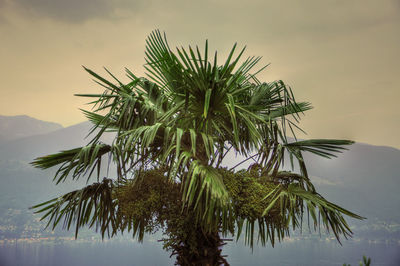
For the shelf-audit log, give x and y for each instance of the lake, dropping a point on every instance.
(311, 252)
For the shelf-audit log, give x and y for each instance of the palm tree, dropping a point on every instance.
(173, 130)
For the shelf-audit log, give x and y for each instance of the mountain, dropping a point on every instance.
(23, 186)
(30, 147)
(15, 127)
(363, 179)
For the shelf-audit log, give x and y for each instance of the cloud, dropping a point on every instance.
(74, 11)
(290, 16)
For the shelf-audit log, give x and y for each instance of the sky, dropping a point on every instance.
(342, 56)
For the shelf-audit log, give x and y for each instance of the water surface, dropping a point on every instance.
(124, 252)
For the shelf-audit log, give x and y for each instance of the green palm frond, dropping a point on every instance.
(90, 206)
(75, 161)
(294, 198)
(322, 147)
(205, 192)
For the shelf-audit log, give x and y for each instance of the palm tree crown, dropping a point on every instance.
(173, 130)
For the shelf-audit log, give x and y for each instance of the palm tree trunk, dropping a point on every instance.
(206, 252)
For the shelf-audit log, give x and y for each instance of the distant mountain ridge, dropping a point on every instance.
(15, 127)
(30, 147)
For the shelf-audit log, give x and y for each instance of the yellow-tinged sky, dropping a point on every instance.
(343, 56)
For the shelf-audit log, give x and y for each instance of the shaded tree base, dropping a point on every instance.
(208, 251)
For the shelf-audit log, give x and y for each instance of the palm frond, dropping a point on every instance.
(205, 191)
(90, 206)
(322, 147)
(75, 161)
(294, 197)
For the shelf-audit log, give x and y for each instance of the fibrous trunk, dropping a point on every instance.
(205, 252)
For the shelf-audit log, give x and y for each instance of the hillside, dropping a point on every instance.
(15, 127)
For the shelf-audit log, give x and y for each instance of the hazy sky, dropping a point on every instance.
(343, 56)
